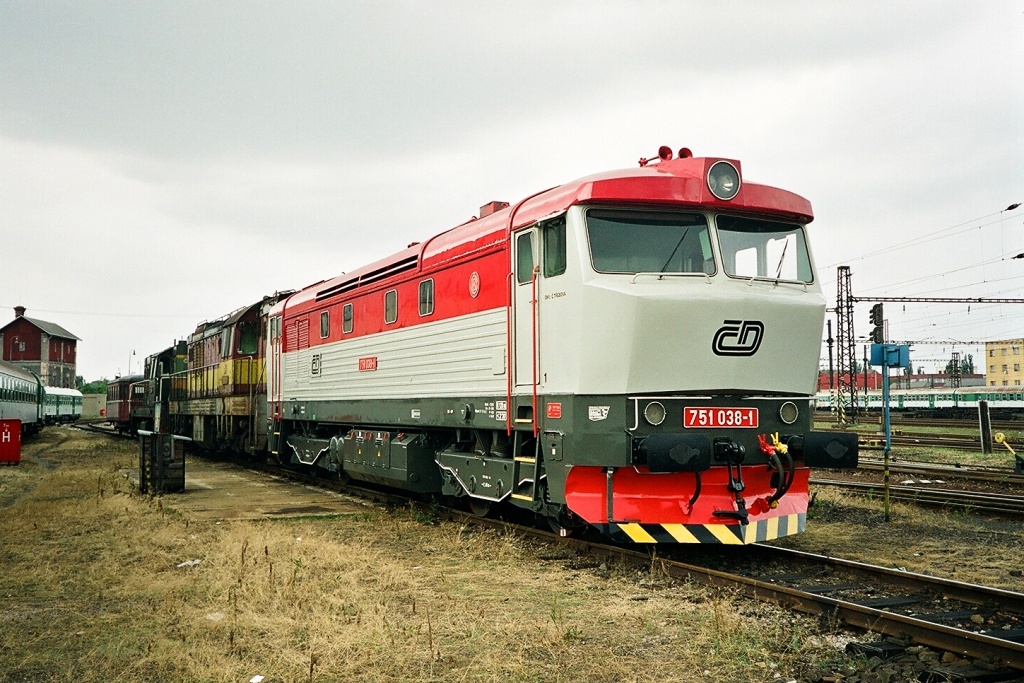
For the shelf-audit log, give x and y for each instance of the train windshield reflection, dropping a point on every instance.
(755, 248)
(649, 242)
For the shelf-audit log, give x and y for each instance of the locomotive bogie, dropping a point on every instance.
(216, 428)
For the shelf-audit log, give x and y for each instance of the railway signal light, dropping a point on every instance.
(878, 324)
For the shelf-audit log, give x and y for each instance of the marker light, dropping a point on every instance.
(723, 180)
(654, 413)
(788, 412)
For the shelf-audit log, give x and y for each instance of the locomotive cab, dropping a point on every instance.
(679, 344)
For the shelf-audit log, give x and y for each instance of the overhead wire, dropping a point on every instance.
(931, 237)
(105, 314)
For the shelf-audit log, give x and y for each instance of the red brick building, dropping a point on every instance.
(874, 380)
(45, 348)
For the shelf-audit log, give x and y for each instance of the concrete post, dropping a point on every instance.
(985, 422)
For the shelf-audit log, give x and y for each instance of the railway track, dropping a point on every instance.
(896, 420)
(875, 442)
(999, 502)
(101, 427)
(964, 619)
(938, 470)
(997, 425)
(974, 501)
(955, 441)
(957, 617)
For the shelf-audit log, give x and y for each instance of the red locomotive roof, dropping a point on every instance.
(678, 182)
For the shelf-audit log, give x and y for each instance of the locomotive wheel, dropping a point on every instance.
(480, 508)
(565, 524)
(563, 530)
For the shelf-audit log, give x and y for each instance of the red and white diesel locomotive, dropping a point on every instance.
(635, 350)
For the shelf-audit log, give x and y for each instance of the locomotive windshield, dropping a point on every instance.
(755, 248)
(649, 242)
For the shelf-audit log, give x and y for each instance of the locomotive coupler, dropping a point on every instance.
(733, 454)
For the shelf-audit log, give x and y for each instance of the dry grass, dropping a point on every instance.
(93, 592)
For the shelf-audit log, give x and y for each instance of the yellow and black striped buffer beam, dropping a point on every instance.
(721, 534)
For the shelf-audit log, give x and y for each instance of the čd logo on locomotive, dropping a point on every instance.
(738, 338)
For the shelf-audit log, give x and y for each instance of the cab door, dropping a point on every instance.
(525, 283)
(539, 301)
(273, 361)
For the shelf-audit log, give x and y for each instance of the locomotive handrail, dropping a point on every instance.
(509, 359)
(662, 276)
(252, 399)
(535, 350)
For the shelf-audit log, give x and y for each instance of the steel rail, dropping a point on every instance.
(980, 501)
(973, 472)
(950, 588)
(97, 427)
(946, 638)
(907, 421)
(923, 440)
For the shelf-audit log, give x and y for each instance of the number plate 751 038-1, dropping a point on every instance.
(742, 418)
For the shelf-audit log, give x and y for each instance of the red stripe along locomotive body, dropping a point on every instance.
(635, 350)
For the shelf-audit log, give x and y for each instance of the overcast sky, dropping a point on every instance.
(164, 163)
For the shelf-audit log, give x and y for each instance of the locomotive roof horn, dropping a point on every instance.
(665, 154)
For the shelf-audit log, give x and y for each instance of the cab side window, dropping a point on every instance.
(427, 297)
(554, 247)
(524, 258)
(346, 319)
(391, 306)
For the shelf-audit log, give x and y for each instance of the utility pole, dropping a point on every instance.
(847, 351)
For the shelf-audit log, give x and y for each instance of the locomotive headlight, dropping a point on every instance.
(788, 412)
(723, 180)
(654, 413)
